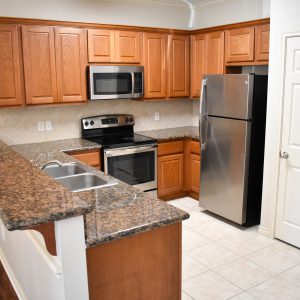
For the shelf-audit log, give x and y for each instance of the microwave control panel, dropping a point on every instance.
(138, 83)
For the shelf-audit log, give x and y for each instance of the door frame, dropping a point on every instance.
(274, 127)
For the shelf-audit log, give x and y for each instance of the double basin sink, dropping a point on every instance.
(76, 178)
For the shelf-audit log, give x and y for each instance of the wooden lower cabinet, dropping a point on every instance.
(170, 163)
(178, 169)
(90, 157)
(170, 174)
(145, 266)
(194, 166)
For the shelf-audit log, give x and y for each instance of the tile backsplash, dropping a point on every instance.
(19, 125)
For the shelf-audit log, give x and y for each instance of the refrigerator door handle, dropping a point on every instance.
(202, 99)
(203, 115)
(202, 129)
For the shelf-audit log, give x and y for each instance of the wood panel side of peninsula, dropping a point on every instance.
(144, 266)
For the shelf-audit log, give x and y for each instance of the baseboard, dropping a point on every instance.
(264, 231)
(12, 278)
(193, 195)
(172, 196)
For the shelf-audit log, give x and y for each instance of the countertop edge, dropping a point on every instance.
(134, 231)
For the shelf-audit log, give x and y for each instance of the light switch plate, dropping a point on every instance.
(156, 116)
(41, 126)
(48, 125)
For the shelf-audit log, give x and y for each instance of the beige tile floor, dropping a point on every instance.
(222, 261)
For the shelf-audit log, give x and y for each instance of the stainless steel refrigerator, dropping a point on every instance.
(232, 135)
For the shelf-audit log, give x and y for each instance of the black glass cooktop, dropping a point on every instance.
(116, 141)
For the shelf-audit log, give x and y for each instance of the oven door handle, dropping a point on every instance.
(132, 83)
(131, 150)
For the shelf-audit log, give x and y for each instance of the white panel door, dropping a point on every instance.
(288, 207)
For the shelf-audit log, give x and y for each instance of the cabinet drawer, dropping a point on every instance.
(91, 158)
(170, 148)
(195, 147)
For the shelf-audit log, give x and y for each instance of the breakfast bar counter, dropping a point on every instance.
(75, 239)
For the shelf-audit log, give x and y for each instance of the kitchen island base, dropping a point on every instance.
(143, 266)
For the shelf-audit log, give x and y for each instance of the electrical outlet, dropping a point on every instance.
(48, 125)
(156, 116)
(41, 126)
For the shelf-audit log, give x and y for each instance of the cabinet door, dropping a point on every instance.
(262, 39)
(239, 45)
(70, 64)
(10, 82)
(170, 174)
(215, 53)
(178, 65)
(154, 56)
(128, 46)
(101, 45)
(39, 64)
(198, 62)
(91, 157)
(194, 173)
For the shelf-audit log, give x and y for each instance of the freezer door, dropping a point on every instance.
(224, 168)
(230, 95)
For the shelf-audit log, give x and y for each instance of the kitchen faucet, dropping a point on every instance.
(57, 162)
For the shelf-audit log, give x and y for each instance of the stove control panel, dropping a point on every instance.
(105, 121)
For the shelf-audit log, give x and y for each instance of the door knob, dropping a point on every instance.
(284, 155)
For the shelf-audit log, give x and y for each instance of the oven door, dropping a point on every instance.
(134, 165)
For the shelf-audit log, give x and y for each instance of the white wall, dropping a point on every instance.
(230, 11)
(141, 13)
(284, 19)
(99, 11)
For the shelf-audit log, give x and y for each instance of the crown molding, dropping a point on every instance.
(156, 3)
(208, 3)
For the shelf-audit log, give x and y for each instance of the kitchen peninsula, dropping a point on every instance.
(109, 243)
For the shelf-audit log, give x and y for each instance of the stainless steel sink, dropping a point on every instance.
(57, 171)
(84, 182)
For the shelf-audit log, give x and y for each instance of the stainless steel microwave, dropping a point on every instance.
(113, 82)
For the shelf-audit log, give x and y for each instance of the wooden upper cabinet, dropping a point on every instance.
(262, 38)
(71, 63)
(101, 45)
(154, 56)
(39, 64)
(178, 65)
(239, 45)
(108, 46)
(10, 82)
(215, 53)
(198, 62)
(128, 46)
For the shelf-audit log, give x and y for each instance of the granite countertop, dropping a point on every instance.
(173, 133)
(28, 196)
